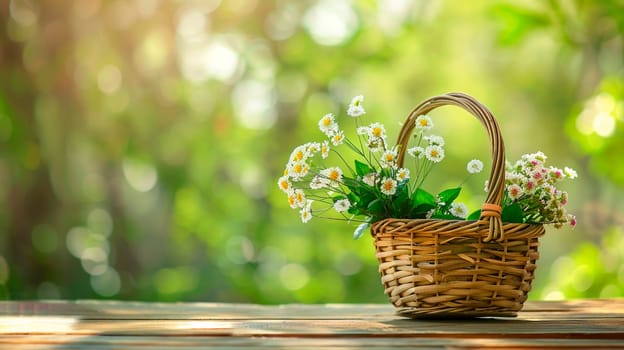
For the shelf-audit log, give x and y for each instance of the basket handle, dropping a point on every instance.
(491, 210)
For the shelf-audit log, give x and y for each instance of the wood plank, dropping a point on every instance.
(90, 309)
(138, 342)
(610, 328)
(580, 324)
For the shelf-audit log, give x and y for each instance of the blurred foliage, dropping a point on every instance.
(141, 140)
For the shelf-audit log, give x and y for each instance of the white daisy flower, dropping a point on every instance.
(298, 170)
(402, 174)
(459, 209)
(342, 205)
(370, 179)
(434, 140)
(300, 198)
(376, 131)
(313, 148)
(388, 186)
(333, 174)
(292, 200)
(388, 158)
(424, 122)
(300, 153)
(434, 153)
(325, 149)
(318, 182)
(474, 166)
(337, 138)
(284, 184)
(416, 152)
(306, 211)
(355, 107)
(328, 124)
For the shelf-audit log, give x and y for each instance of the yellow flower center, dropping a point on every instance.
(298, 155)
(327, 121)
(423, 122)
(377, 131)
(434, 153)
(387, 185)
(334, 175)
(298, 168)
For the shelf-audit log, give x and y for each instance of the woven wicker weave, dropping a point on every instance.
(455, 268)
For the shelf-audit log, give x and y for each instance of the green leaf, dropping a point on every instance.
(512, 213)
(421, 210)
(445, 217)
(448, 196)
(353, 198)
(475, 215)
(359, 231)
(423, 197)
(337, 198)
(376, 206)
(351, 184)
(362, 168)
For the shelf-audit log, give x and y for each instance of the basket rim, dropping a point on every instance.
(469, 226)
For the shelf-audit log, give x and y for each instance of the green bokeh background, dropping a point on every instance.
(141, 140)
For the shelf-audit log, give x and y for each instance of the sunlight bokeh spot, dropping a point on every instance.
(209, 59)
(141, 176)
(106, 284)
(94, 260)
(100, 221)
(153, 52)
(239, 249)
(192, 26)
(254, 104)
(294, 276)
(80, 238)
(109, 79)
(331, 22)
(392, 13)
(282, 23)
(23, 12)
(598, 116)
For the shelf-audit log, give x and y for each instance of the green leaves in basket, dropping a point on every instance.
(362, 168)
(422, 202)
(448, 196)
(475, 215)
(360, 230)
(375, 206)
(512, 213)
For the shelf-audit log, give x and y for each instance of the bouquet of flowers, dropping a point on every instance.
(368, 185)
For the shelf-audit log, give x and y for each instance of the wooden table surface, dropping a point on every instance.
(581, 324)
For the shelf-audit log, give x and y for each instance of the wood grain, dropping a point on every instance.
(581, 324)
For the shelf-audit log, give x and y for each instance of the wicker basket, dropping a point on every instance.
(455, 268)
